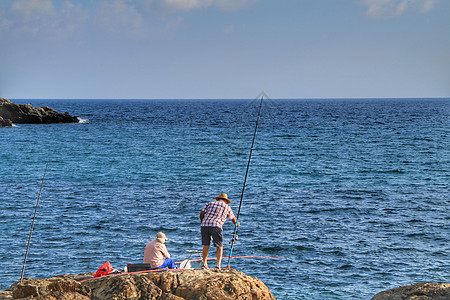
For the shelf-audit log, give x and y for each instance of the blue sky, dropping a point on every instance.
(224, 48)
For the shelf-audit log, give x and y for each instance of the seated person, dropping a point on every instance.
(156, 253)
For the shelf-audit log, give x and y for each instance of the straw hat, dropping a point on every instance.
(161, 237)
(224, 197)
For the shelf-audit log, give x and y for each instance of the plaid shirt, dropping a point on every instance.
(216, 213)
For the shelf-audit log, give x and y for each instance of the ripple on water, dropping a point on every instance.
(354, 193)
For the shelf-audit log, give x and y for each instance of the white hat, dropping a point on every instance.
(161, 237)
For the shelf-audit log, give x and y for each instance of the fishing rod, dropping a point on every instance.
(233, 240)
(32, 224)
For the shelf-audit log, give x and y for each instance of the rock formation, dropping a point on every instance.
(5, 123)
(164, 285)
(181, 284)
(11, 112)
(418, 291)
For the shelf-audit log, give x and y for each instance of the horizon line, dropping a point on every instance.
(288, 98)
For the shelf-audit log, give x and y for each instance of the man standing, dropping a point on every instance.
(213, 216)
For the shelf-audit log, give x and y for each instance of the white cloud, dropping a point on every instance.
(377, 9)
(29, 8)
(233, 5)
(62, 19)
(5, 23)
(33, 16)
(427, 5)
(40, 18)
(189, 5)
(185, 5)
(120, 18)
(401, 7)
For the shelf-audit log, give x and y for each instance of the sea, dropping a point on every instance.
(351, 196)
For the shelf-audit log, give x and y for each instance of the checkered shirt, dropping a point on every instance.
(216, 213)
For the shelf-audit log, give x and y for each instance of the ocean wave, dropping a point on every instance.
(80, 120)
(315, 193)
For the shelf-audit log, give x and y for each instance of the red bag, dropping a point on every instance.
(104, 269)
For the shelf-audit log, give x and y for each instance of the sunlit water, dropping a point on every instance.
(355, 193)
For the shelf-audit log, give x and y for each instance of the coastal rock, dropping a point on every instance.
(5, 295)
(165, 285)
(5, 123)
(27, 114)
(53, 288)
(418, 291)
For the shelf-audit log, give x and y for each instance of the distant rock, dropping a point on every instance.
(11, 112)
(418, 291)
(164, 285)
(5, 123)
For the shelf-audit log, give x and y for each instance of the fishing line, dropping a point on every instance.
(262, 94)
(32, 224)
(237, 121)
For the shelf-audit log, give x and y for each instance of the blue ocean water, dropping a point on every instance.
(355, 193)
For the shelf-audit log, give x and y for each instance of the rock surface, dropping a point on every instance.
(5, 123)
(164, 285)
(11, 112)
(418, 291)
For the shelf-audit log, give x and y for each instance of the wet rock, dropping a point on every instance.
(27, 114)
(418, 291)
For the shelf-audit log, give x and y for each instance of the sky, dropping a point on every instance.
(219, 49)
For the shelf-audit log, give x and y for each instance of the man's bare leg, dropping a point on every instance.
(205, 255)
(219, 254)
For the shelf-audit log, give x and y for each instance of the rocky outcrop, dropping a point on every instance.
(418, 291)
(5, 295)
(5, 123)
(11, 112)
(164, 285)
(51, 288)
(181, 284)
